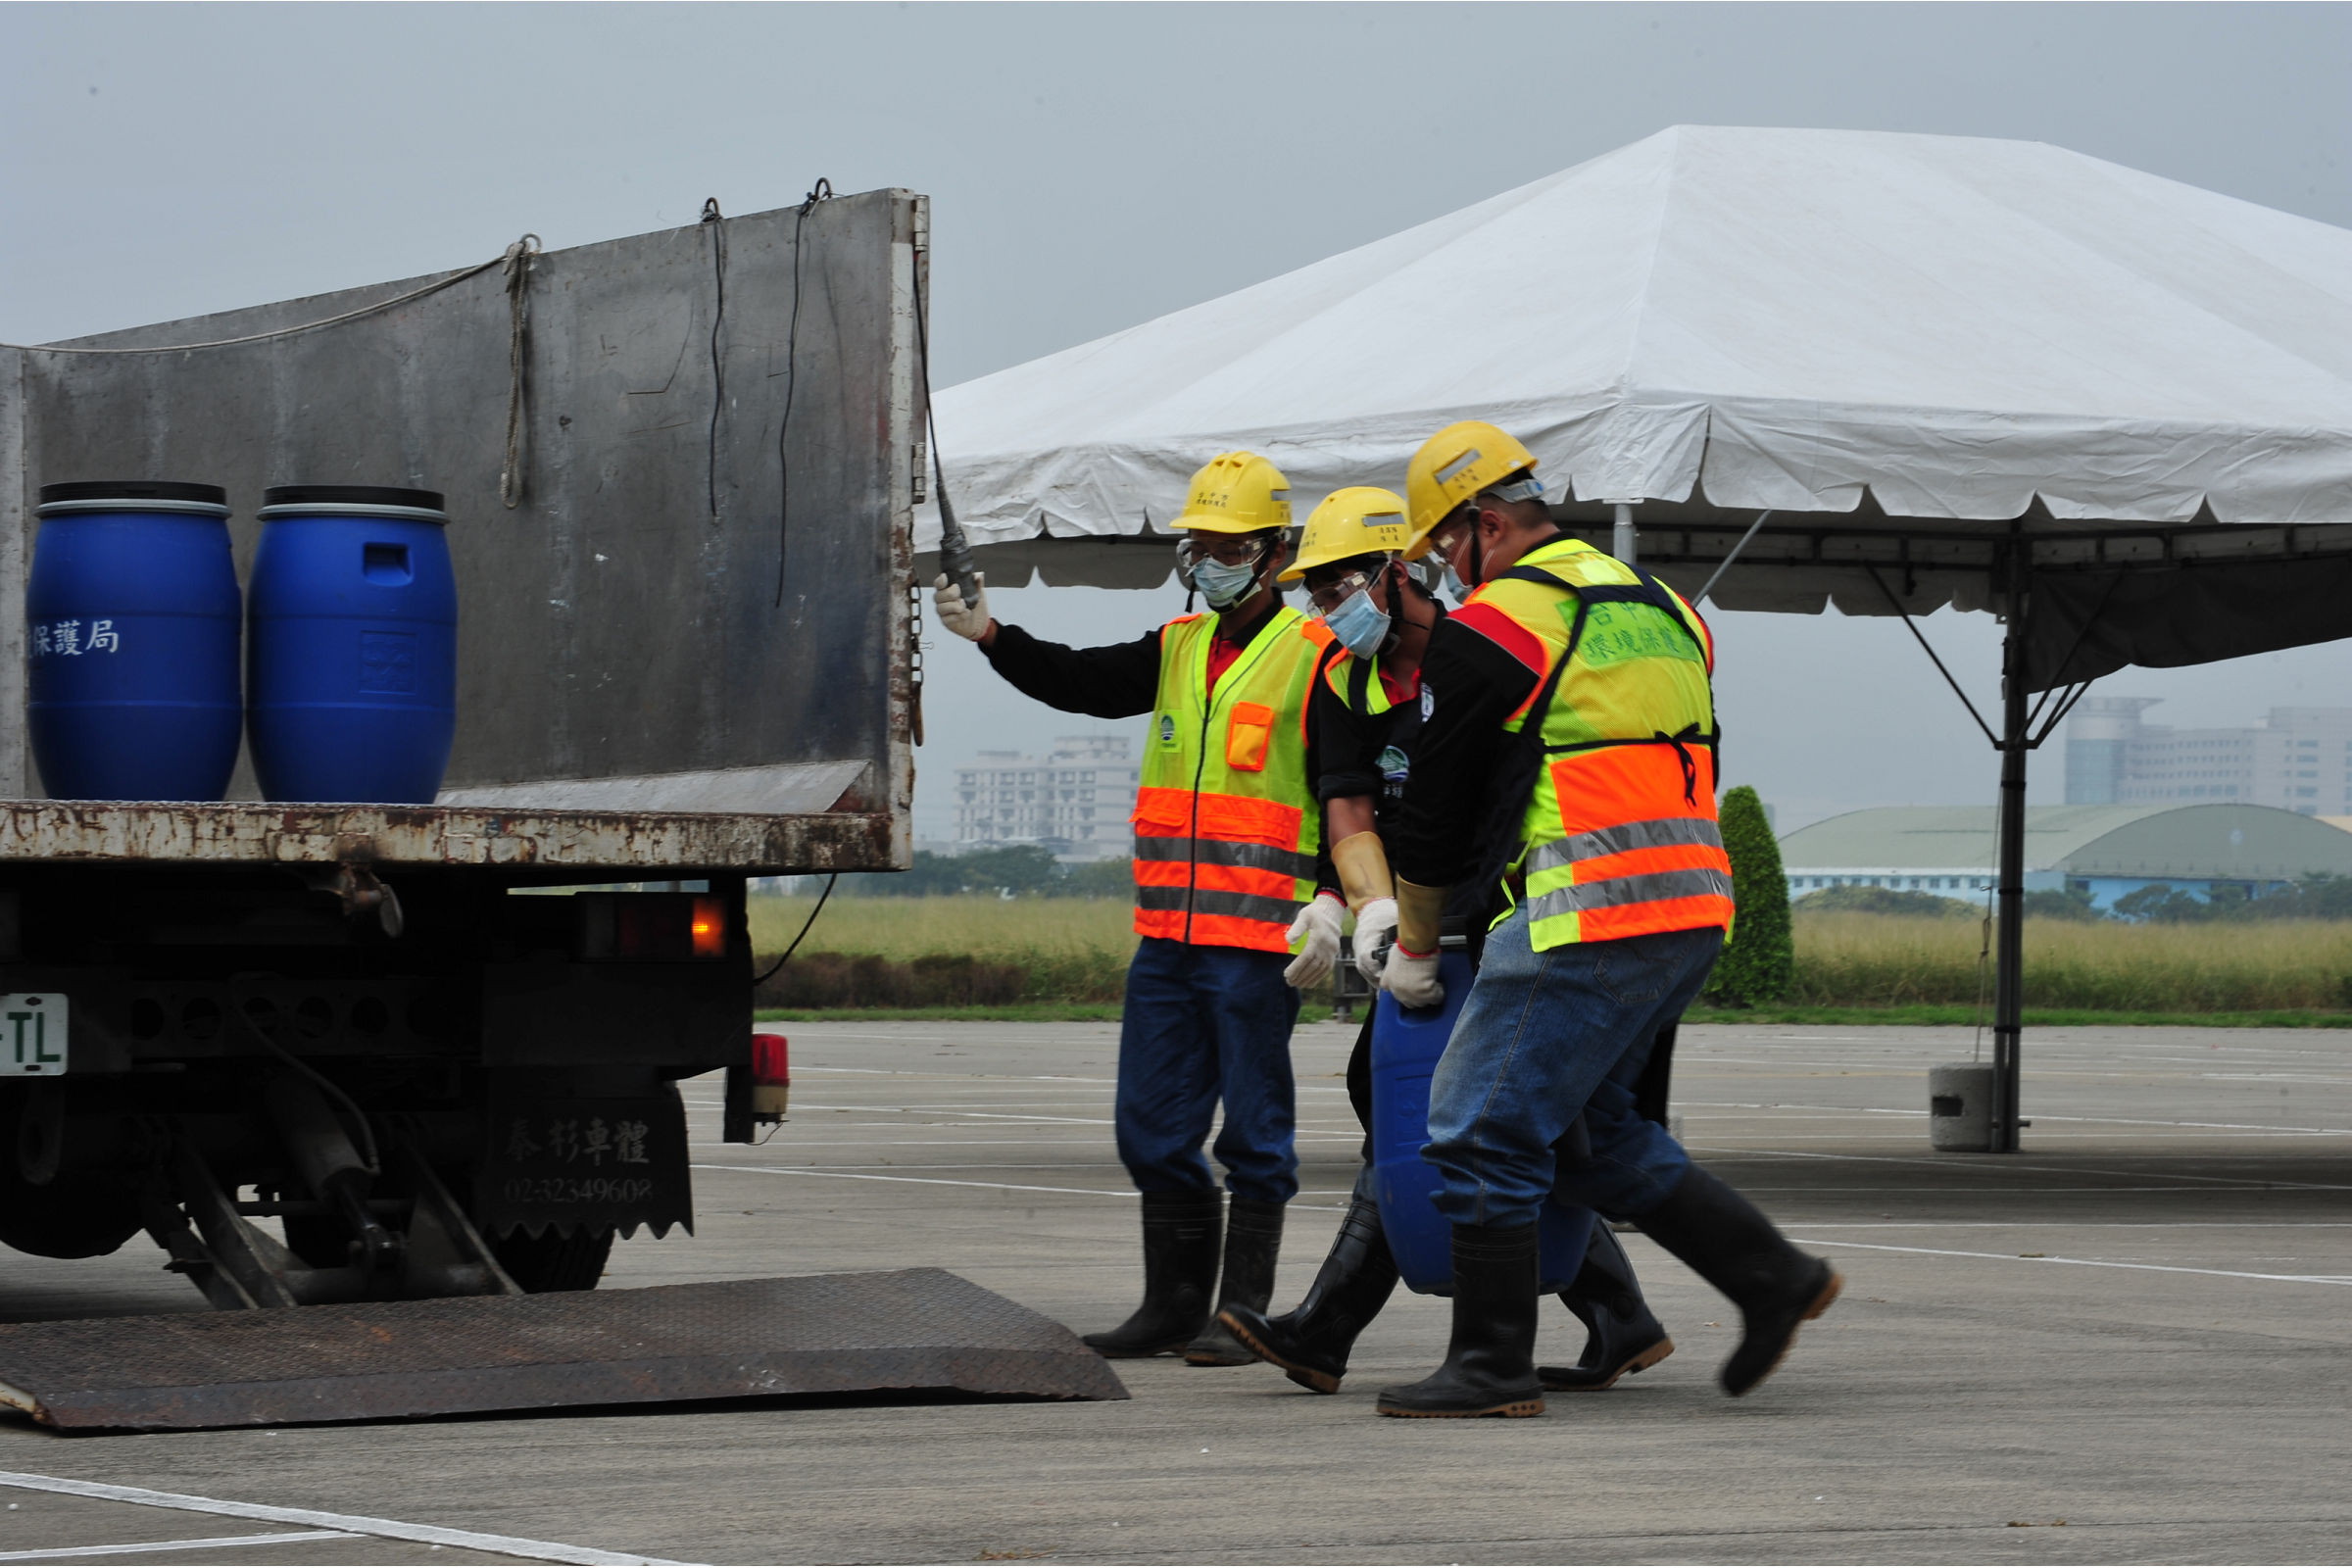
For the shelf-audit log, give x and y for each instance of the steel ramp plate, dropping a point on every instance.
(918, 1328)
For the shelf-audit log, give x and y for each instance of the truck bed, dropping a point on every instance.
(686, 645)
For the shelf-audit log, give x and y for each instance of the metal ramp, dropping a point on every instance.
(908, 1329)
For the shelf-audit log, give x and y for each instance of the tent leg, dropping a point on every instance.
(1621, 536)
(2008, 997)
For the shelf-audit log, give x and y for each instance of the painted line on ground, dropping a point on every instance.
(925, 1181)
(903, 1072)
(207, 1544)
(938, 1181)
(2038, 1116)
(341, 1523)
(2078, 1262)
(2074, 1224)
(1961, 1162)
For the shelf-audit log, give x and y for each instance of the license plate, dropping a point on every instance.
(32, 1035)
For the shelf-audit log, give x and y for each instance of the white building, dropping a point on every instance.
(1075, 801)
(2299, 759)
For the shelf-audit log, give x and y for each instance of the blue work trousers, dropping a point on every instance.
(1202, 1024)
(1544, 1038)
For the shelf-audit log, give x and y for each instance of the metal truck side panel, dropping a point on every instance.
(647, 611)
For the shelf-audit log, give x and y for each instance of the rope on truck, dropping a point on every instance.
(529, 242)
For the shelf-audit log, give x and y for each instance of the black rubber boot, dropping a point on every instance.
(1311, 1341)
(1620, 1334)
(1734, 1248)
(1181, 1232)
(1253, 1242)
(1490, 1365)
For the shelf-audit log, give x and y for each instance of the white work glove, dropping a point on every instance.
(1317, 926)
(968, 622)
(1375, 923)
(1411, 978)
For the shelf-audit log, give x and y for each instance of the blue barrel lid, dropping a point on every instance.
(351, 501)
(160, 495)
(350, 495)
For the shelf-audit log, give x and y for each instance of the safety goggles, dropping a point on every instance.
(1327, 591)
(1230, 549)
(1450, 535)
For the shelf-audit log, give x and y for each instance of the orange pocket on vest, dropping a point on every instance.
(1247, 736)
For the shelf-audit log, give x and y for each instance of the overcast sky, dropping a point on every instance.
(1094, 166)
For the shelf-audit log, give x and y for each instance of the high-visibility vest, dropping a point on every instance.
(1227, 828)
(1618, 837)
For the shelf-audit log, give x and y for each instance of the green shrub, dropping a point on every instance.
(869, 980)
(1758, 961)
(2059, 904)
(1883, 901)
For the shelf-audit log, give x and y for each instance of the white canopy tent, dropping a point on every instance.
(1887, 371)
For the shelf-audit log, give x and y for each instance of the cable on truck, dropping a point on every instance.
(763, 979)
(821, 191)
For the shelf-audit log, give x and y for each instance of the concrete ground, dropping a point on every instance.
(2128, 1343)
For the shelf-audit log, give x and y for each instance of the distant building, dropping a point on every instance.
(2299, 759)
(2106, 851)
(1075, 801)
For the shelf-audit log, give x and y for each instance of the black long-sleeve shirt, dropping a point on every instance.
(1471, 683)
(1368, 754)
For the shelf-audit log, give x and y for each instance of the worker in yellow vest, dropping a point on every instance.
(1367, 715)
(1228, 864)
(1573, 722)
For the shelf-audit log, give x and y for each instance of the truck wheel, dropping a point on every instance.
(553, 1261)
(64, 1220)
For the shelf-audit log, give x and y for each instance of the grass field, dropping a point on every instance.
(1863, 960)
(1026, 953)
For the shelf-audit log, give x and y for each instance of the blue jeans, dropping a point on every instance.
(1547, 1035)
(1200, 1024)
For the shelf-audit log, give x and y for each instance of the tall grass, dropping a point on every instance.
(976, 949)
(968, 948)
(1869, 961)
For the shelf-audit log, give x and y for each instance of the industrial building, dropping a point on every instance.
(2106, 851)
(1075, 799)
(2297, 760)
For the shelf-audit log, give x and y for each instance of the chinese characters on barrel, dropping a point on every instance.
(69, 638)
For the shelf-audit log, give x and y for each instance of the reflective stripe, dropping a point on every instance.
(1658, 833)
(1209, 901)
(1221, 852)
(1700, 882)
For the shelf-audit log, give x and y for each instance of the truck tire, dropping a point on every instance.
(65, 1219)
(554, 1261)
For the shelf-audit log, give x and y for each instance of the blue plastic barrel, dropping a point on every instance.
(352, 659)
(131, 625)
(1405, 1046)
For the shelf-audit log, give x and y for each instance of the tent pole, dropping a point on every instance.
(1621, 538)
(2008, 1005)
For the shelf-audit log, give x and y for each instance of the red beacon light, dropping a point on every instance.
(771, 1077)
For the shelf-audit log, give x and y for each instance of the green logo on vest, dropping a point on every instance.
(1168, 729)
(1615, 632)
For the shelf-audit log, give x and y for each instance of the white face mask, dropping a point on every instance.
(1224, 586)
(1455, 587)
(1360, 625)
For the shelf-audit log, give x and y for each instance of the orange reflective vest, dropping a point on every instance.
(1227, 828)
(1618, 838)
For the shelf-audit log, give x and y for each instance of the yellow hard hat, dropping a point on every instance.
(1238, 492)
(1360, 521)
(1452, 466)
